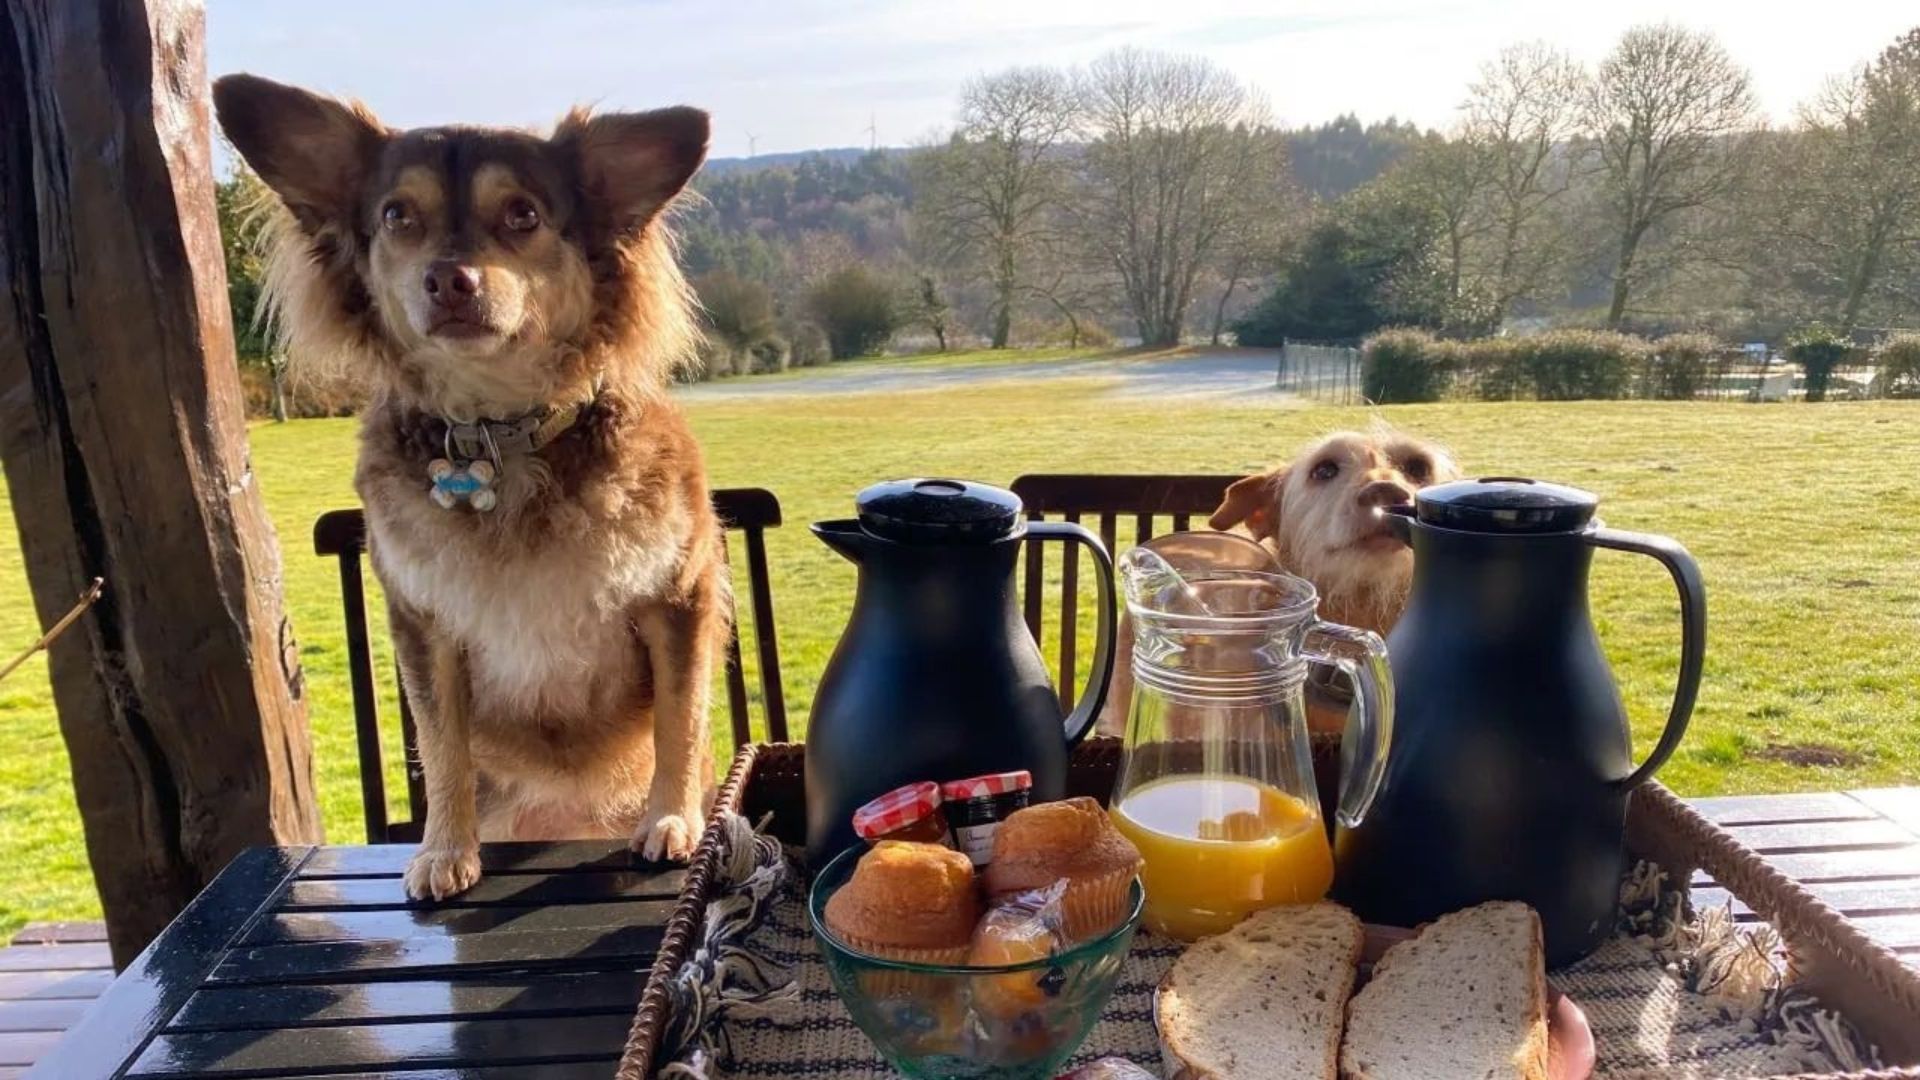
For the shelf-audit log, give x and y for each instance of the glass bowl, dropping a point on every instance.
(1011, 1022)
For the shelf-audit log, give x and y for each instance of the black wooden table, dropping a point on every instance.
(311, 962)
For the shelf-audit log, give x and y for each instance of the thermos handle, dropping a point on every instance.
(1361, 656)
(1693, 634)
(1094, 694)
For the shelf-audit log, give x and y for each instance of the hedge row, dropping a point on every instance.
(1560, 365)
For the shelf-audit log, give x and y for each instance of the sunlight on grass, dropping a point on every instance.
(1799, 515)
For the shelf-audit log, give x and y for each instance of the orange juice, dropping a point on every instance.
(1220, 847)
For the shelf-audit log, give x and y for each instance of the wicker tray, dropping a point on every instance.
(1862, 980)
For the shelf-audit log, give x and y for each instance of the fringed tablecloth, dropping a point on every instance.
(1674, 993)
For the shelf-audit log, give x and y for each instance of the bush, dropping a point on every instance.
(1398, 366)
(1899, 357)
(1497, 368)
(1676, 366)
(768, 356)
(738, 311)
(856, 309)
(306, 400)
(1580, 365)
(1818, 349)
(806, 344)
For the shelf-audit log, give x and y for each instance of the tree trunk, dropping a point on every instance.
(1220, 309)
(280, 392)
(125, 450)
(1622, 268)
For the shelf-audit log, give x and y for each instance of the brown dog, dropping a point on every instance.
(538, 510)
(1320, 515)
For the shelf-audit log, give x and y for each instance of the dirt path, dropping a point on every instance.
(1224, 374)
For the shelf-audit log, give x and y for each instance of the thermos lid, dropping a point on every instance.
(1505, 504)
(931, 511)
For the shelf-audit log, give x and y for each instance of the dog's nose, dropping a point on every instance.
(451, 284)
(1384, 493)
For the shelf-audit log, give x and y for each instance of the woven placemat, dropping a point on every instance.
(1673, 993)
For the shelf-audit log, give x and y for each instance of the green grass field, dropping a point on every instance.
(1801, 516)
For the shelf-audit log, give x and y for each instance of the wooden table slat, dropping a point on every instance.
(1811, 867)
(498, 1043)
(516, 890)
(595, 1069)
(1811, 806)
(574, 950)
(162, 977)
(56, 957)
(25, 1047)
(1821, 836)
(54, 985)
(379, 925)
(54, 1015)
(615, 992)
(1892, 896)
(518, 857)
(1899, 805)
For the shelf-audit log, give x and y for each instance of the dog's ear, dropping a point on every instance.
(313, 151)
(632, 164)
(1255, 501)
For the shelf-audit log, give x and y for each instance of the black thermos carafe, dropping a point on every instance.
(1511, 765)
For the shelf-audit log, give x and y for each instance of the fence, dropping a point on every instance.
(1327, 373)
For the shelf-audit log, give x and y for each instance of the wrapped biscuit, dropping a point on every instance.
(1019, 928)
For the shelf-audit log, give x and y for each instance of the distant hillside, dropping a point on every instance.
(840, 155)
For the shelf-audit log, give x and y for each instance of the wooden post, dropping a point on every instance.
(126, 454)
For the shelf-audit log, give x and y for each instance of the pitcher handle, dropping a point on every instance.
(1361, 656)
(1094, 694)
(1693, 634)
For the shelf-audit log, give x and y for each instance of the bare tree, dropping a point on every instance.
(989, 195)
(1451, 179)
(1668, 116)
(1521, 114)
(1182, 154)
(1848, 215)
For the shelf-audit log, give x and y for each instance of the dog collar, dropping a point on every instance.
(496, 440)
(477, 451)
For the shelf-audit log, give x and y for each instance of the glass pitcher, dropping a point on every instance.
(1216, 785)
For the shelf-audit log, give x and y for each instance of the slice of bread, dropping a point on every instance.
(1263, 1000)
(1465, 1000)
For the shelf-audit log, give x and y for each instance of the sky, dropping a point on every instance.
(785, 75)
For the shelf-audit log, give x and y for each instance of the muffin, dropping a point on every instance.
(1072, 840)
(907, 901)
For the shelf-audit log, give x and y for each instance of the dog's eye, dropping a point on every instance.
(396, 216)
(1325, 471)
(522, 215)
(1417, 469)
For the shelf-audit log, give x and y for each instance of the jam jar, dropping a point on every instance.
(977, 805)
(911, 812)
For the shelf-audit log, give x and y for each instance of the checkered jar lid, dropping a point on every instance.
(897, 809)
(982, 787)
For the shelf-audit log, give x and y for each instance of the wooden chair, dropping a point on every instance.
(1071, 497)
(342, 535)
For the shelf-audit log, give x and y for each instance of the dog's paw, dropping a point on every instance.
(437, 873)
(665, 837)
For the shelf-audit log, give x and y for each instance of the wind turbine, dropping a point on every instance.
(752, 141)
(873, 135)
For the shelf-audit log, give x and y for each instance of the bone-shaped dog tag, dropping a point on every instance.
(471, 481)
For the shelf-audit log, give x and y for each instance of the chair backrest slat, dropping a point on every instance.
(773, 697)
(341, 534)
(1036, 578)
(360, 673)
(1072, 496)
(1069, 617)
